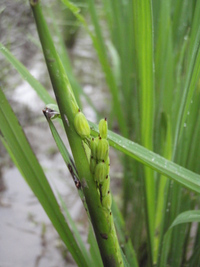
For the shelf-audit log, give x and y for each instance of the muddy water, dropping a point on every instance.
(23, 242)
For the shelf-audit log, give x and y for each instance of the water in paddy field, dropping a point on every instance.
(27, 237)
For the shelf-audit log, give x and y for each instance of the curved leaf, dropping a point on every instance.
(168, 168)
(184, 217)
(187, 217)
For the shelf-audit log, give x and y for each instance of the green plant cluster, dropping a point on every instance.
(151, 68)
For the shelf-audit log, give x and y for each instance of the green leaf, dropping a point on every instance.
(125, 241)
(40, 90)
(99, 45)
(195, 260)
(192, 73)
(168, 168)
(143, 29)
(94, 250)
(23, 155)
(72, 225)
(68, 161)
(186, 217)
(160, 164)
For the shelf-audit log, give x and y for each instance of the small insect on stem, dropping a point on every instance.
(50, 113)
(76, 180)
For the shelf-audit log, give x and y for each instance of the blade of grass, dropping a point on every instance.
(40, 90)
(72, 225)
(183, 132)
(126, 264)
(103, 58)
(160, 164)
(124, 240)
(168, 168)
(190, 135)
(181, 10)
(61, 48)
(195, 260)
(193, 155)
(164, 61)
(119, 15)
(34, 175)
(153, 160)
(99, 45)
(185, 217)
(193, 73)
(162, 184)
(143, 30)
(94, 250)
(68, 161)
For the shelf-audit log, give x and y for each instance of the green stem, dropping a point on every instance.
(105, 233)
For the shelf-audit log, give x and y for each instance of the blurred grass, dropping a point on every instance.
(164, 112)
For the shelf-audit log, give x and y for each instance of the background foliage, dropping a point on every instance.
(149, 54)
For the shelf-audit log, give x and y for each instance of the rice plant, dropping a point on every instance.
(149, 54)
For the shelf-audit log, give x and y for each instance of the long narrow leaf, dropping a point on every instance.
(101, 51)
(40, 90)
(143, 29)
(68, 161)
(34, 175)
(124, 241)
(168, 168)
(185, 217)
(94, 250)
(193, 73)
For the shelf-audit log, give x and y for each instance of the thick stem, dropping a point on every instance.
(104, 231)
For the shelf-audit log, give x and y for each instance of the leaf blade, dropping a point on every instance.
(40, 90)
(168, 168)
(34, 175)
